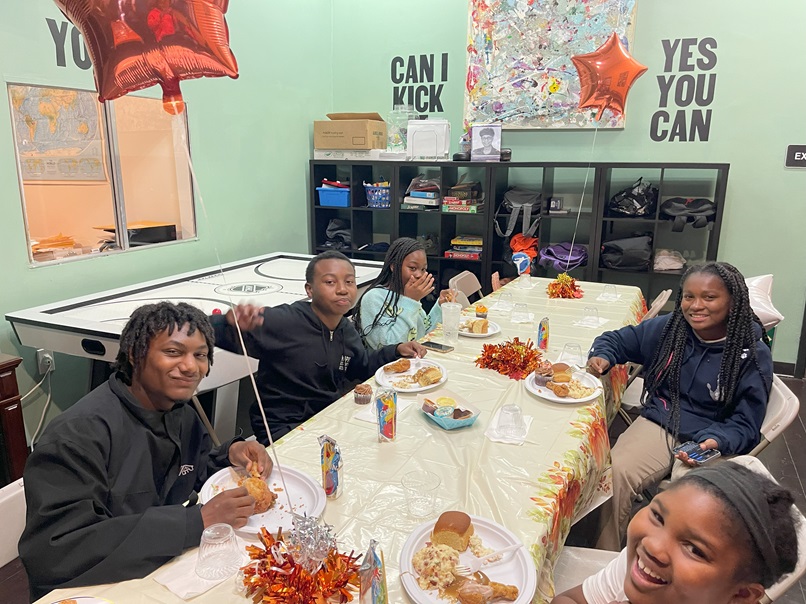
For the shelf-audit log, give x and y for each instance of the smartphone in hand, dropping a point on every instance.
(696, 454)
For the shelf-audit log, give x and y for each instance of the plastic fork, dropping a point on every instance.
(476, 564)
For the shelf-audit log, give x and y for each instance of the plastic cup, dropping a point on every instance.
(609, 294)
(591, 316)
(451, 314)
(572, 354)
(421, 488)
(525, 281)
(504, 303)
(510, 422)
(219, 557)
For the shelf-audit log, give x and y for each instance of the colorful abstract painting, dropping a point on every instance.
(519, 69)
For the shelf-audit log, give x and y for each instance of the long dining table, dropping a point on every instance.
(536, 489)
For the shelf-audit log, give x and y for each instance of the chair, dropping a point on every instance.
(495, 280)
(12, 511)
(466, 282)
(657, 304)
(461, 298)
(782, 409)
(575, 564)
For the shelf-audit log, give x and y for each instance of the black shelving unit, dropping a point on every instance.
(581, 186)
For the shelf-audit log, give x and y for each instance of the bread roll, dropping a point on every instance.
(480, 326)
(453, 529)
(398, 366)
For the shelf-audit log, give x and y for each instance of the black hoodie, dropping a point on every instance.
(303, 365)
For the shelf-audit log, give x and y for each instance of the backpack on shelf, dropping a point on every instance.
(563, 257)
(639, 199)
(628, 254)
(518, 199)
(698, 211)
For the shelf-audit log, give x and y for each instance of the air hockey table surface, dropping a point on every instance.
(90, 326)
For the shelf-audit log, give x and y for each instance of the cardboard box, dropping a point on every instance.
(350, 131)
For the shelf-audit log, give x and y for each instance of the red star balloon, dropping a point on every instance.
(606, 75)
(134, 44)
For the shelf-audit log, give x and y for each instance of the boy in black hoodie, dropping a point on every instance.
(309, 353)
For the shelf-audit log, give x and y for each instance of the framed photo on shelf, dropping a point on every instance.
(485, 142)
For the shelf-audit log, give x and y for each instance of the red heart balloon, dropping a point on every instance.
(606, 75)
(134, 44)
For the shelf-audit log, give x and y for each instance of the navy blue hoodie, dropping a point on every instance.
(303, 365)
(700, 414)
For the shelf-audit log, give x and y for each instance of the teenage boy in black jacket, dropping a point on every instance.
(309, 353)
(106, 483)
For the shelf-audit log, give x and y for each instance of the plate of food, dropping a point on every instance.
(411, 375)
(567, 387)
(429, 557)
(478, 328)
(448, 410)
(274, 504)
(83, 600)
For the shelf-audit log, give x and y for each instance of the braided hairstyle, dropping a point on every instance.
(740, 340)
(391, 278)
(151, 320)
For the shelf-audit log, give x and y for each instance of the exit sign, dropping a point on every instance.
(796, 156)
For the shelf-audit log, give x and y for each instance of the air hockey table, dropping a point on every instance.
(90, 326)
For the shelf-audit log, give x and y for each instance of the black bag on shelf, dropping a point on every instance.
(698, 211)
(629, 254)
(639, 199)
(515, 200)
(338, 234)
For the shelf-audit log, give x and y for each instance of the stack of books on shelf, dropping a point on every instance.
(454, 205)
(421, 200)
(465, 247)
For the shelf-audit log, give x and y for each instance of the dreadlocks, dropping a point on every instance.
(391, 278)
(151, 320)
(740, 341)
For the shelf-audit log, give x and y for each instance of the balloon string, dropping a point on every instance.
(179, 129)
(582, 199)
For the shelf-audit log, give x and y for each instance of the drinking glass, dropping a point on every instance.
(510, 422)
(421, 488)
(219, 557)
(451, 314)
(504, 303)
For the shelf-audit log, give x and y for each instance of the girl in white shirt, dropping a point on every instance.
(718, 535)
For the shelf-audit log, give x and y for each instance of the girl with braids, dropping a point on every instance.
(390, 311)
(718, 535)
(707, 378)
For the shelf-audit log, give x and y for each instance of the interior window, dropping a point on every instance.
(85, 169)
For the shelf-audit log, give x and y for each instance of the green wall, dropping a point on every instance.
(298, 60)
(250, 140)
(757, 111)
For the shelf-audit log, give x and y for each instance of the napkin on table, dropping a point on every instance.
(493, 435)
(181, 578)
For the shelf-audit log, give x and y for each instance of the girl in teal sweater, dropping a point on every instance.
(390, 312)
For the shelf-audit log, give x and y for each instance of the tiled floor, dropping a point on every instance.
(785, 457)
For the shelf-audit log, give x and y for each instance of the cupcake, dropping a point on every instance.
(362, 394)
(543, 374)
(481, 311)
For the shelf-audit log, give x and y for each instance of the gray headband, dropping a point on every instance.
(752, 507)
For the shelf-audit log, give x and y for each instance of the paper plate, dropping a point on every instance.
(584, 378)
(304, 495)
(516, 569)
(83, 600)
(387, 380)
(493, 328)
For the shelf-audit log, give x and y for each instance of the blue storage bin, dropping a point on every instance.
(334, 198)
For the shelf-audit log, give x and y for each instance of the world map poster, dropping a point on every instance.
(519, 69)
(58, 134)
